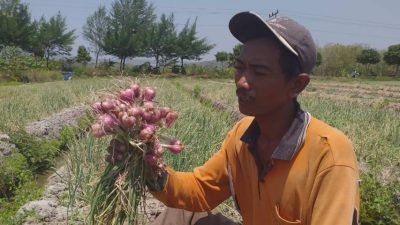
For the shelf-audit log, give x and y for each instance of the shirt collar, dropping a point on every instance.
(290, 143)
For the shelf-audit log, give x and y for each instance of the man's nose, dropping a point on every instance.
(243, 82)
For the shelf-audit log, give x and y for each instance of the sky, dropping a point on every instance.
(373, 23)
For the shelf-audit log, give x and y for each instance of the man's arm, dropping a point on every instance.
(201, 190)
(335, 196)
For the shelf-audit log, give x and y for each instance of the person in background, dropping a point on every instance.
(355, 73)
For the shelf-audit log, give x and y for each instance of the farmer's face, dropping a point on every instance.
(262, 88)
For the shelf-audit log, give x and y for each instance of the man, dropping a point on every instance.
(280, 164)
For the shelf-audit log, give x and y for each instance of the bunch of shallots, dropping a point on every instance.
(134, 154)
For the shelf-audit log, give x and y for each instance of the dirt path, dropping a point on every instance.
(50, 127)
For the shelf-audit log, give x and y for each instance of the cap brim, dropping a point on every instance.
(245, 26)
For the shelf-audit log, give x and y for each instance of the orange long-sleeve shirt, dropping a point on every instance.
(317, 185)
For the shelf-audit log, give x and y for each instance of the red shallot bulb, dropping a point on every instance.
(135, 111)
(136, 90)
(147, 132)
(147, 116)
(120, 115)
(150, 159)
(175, 146)
(170, 118)
(127, 95)
(155, 117)
(164, 111)
(97, 107)
(97, 130)
(149, 94)
(158, 150)
(122, 107)
(108, 121)
(148, 105)
(128, 121)
(107, 106)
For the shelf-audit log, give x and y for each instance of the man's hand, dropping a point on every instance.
(159, 181)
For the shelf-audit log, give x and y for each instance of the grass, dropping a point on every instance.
(30, 102)
(375, 132)
(10, 83)
(25, 193)
(366, 80)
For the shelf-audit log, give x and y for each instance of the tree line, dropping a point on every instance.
(337, 59)
(341, 60)
(129, 29)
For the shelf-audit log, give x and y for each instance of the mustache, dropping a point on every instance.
(245, 94)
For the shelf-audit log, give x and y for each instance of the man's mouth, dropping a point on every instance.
(244, 96)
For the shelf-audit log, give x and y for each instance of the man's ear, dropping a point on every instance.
(298, 84)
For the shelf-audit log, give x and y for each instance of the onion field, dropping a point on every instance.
(368, 112)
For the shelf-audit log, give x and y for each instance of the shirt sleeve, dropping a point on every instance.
(335, 197)
(201, 190)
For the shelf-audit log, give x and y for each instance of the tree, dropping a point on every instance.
(161, 39)
(95, 30)
(129, 21)
(15, 24)
(36, 42)
(319, 59)
(338, 59)
(83, 55)
(13, 61)
(189, 46)
(52, 38)
(392, 56)
(368, 56)
(222, 57)
(235, 53)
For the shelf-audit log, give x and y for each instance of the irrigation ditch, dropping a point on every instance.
(48, 208)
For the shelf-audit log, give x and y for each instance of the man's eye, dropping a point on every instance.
(238, 67)
(260, 72)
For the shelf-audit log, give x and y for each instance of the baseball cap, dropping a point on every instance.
(296, 38)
